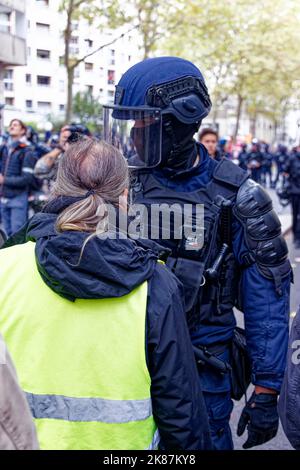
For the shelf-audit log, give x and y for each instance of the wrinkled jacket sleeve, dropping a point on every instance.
(266, 319)
(289, 400)
(27, 175)
(178, 405)
(17, 430)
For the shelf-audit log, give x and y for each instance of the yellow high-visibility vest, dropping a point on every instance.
(81, 364)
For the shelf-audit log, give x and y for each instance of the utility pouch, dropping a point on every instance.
(190, 273)
(240, 365)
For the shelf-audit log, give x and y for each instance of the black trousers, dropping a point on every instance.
(296, 216)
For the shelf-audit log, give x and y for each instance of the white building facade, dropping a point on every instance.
(37, 91)
(12, 43)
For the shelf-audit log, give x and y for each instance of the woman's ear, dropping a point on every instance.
(123, 200)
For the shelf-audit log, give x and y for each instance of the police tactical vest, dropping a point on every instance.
(81, 364)
(207, 302)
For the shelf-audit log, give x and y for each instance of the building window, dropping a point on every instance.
(43, 80)
(8, 86)
(28, 78)
(62, 60)
(88, 66)
(9, 74)
(61, 85)
(129, 58)
(89, 43)
(44, 3)
(112, 59)
(28, 51)
(111, 77)
(10, 101)
(61, 107)
(28, 103)
(74, 40)
(74, 50)
(77, 72)
(28, 24)
(5, 22)
(42, 54)
(43, 27)
(44, 106)
(89, 89)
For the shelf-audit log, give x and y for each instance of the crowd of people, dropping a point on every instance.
(125, 342)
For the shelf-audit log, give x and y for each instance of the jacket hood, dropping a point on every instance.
(104, 268)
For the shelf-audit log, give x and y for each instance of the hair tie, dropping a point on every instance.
(90, 192)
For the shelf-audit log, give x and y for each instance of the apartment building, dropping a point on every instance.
(12, 44)
(39, 89)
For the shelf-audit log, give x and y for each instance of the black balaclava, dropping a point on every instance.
(179, 149)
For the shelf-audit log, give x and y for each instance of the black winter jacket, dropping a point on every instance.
(16, 165)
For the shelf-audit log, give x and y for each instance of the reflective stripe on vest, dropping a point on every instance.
(82, 364)
(88, 409)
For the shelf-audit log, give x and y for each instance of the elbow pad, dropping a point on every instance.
(262, 232)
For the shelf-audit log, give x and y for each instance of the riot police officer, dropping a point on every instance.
(255, 161)
(243, 157)
(159, 105)
(292, 168)
(281, 158)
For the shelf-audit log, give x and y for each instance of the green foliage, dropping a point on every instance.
(87, 110)
(155, 18)
(247, 49)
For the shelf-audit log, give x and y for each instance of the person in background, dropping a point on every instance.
(267, 163)
(281, 158)
(33, 140)
(113, 363)
(209, 138)
(46, 167)
(224, 148)
(17, 430)
(243, 157)
(255, 161)
(17, 163)
(291, 169)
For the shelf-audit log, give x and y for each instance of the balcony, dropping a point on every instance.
(12, 32)
(13, 49)
(10, 5)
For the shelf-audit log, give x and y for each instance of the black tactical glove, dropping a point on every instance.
(261, 418)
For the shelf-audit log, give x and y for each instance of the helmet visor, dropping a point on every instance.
(136, 132)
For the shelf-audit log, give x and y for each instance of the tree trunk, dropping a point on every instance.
(70, 73)
(253, 124)
(275, 130)
(69, 69)
(1, 99)
(238, 116)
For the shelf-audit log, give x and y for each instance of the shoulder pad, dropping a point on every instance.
(264, 226)
(229, 173)
(252, 200)
(272, 252)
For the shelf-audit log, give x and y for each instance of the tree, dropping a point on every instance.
(155, 18)
(87, 109)
(104, 13)
(245, 51)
